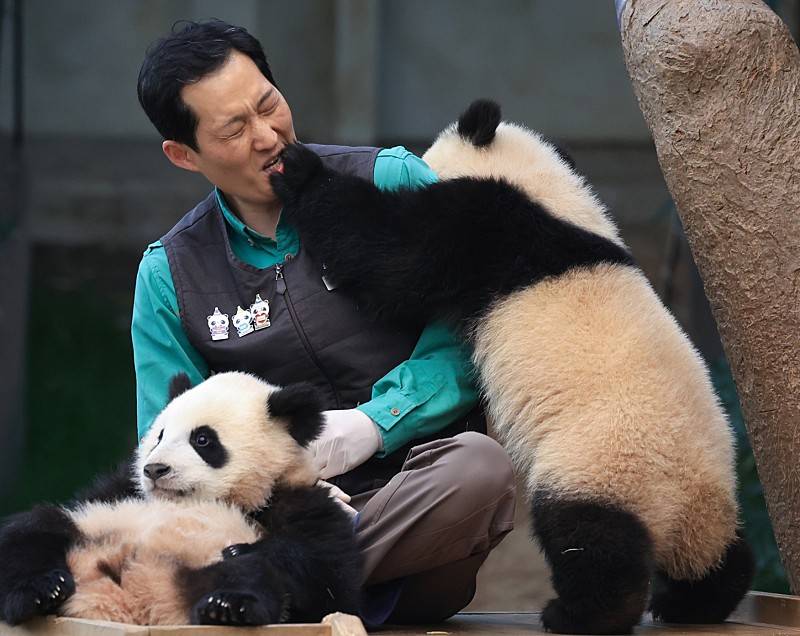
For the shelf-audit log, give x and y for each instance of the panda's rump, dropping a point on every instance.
(596, 391)
(124, 566)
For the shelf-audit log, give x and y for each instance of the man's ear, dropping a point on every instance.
(180, 155)
(301, 407)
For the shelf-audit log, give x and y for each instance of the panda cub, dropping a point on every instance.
(602, 402)
(217, 520)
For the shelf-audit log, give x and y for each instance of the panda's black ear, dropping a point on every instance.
(300, 405)
(479, 122)
(178, 384)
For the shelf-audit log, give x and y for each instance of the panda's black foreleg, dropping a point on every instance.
(601, 561)
(712, 598)
(34, 577)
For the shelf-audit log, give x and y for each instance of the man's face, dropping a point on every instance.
(243, 124)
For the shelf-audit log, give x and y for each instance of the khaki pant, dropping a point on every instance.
(425, 534)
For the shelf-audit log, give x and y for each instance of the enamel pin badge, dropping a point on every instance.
(260, 311)
(218, 325)
(243, 321)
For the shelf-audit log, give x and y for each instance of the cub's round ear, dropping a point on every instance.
(301, 407)
(178, 384)
(479, 122)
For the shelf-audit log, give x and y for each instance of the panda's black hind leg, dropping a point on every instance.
(234, 607)
(242, 589)
(34, 577)
(711, 599)
(601, 561)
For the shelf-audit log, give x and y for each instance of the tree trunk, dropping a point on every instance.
(717, 82)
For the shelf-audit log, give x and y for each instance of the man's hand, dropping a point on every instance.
(349, 438)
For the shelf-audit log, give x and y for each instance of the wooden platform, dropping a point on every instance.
(759, 614)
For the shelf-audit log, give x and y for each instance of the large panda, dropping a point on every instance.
(596, 393)
(217, 520)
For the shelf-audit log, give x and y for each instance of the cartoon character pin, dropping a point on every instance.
(260, 311)
(243, 321)
(218, 325)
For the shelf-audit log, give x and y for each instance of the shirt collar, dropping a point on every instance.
(235, 223)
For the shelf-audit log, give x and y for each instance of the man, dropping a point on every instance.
(230, 288)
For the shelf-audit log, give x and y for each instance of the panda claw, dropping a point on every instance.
(232, 608)
(38, 596)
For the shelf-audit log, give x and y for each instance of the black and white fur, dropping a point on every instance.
(600, 399)
(217, 520)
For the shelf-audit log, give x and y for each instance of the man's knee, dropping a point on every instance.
(483, 463)
(473, 474)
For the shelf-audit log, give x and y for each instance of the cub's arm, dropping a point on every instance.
(306, 566)
(311, 540)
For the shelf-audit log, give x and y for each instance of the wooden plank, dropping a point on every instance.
(293, 629)
(344, 625)
(528, 624)
(770, 609)
(52, 626)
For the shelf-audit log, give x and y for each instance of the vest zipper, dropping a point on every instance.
(283, 290)
(280, 282)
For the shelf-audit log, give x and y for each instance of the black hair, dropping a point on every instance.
(190, 52)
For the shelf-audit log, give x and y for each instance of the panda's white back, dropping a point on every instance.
(594, 374)
(592, 385)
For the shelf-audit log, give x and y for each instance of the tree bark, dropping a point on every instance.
(717, 82)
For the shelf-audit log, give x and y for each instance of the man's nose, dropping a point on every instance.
(264, 135)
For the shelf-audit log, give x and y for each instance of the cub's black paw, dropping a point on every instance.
(224, 607)
(300, 165)
(38, 596)
(237, 549)
(559, 617)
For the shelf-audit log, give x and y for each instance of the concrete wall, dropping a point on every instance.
(82, 59)
(353, 70)
(556, 65)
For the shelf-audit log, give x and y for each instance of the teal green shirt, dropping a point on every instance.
(417, 398)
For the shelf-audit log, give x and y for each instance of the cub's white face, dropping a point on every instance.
(218, 442)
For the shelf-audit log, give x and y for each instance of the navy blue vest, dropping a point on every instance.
(314, 335)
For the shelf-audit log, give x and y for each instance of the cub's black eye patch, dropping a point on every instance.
(206, 444)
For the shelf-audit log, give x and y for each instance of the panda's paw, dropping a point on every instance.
(300, 165)
(38, 596)
(227, 607)
(556, 618)
(561, 618)
(236, 549)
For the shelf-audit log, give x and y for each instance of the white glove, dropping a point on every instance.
(339, 496)
(349, 438)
